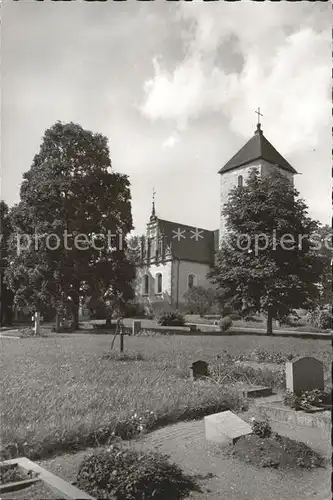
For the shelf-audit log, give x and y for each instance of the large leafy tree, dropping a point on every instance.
(76, 213)
(266, 263)
(322, 243)
(6, 295)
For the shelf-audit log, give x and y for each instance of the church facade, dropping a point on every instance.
(177, 257)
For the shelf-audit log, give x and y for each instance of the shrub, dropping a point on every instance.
(292, 400)
(261, 428)
(172, 318)
(149, 311)
(29, 332)
(199, 300)
(311, 398)
(305, 400)
(321, 317)
(136, 424)
(133, 309)
(127, 474)
(325, 320)
(225, 323)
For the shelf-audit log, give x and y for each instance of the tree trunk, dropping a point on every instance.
(76, 316)
(269, 330)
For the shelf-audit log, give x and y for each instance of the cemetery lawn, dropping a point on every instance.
(61, 393)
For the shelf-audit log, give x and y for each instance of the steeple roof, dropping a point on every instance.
(258, 147)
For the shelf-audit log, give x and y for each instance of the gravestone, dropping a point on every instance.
(199, 369)
(225, 428)
(304, 374)
(136, 327)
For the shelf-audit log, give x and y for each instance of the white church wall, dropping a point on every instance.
(166, 270)
(185, 268)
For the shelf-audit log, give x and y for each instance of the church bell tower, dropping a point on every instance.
(257, 153)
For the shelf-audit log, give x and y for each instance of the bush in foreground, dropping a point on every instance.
(225, 323)
(127, 474)
(261, 428)
(172, 318)
(307, 399)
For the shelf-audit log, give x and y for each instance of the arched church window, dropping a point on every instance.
(240, 181)
(158, 283)
(191, 281)
(146, 284)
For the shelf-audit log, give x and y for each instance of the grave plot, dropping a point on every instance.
(21, 473)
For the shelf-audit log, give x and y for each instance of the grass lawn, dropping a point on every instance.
(59, 392)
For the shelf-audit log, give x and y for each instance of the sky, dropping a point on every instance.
(174, 87)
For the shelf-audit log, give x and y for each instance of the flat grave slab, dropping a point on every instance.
(225, 428)
(256, 391)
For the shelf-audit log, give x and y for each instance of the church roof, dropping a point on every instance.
(258, 147)
(188, 242)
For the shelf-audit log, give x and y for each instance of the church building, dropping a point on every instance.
(176, 256)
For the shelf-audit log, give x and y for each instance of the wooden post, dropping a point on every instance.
(269, 322)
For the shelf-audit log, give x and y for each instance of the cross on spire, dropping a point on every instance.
(153, 205)
(259, 115)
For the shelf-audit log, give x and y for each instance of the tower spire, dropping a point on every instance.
(153, 205)
(258, 131)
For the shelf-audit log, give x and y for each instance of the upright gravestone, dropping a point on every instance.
(304, 374)
(199, 369)
(225, 428)
(136, 327)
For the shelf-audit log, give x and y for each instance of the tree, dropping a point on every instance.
(135, 249)
(199, 300)
(266, 263)
(321, 241)
(6, 295)
(72, 222)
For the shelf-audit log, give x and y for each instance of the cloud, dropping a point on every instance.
(171, 141)
(285, 71)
